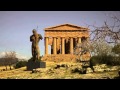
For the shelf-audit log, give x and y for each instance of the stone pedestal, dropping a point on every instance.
(33, 65)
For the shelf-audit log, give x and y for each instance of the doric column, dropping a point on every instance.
(63, 45)
(58, 45)
(79, 40)
(54, 45)
(79, 43)
(71, 45)
(88, 39)
(75, 41)
(46, 45)
(52, 48)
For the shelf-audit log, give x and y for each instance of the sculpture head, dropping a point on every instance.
(34, 31)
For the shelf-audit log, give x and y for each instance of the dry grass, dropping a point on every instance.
(50, 73)
(8, 68)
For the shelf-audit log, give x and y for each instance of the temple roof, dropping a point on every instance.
(66, 27)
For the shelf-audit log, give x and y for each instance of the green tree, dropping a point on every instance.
(20, 64)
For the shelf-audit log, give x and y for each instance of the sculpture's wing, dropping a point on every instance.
(40, 36)
(31, 38)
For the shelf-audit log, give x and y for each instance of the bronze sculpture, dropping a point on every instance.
(35, 38)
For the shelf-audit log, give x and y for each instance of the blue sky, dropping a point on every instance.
(16, 26)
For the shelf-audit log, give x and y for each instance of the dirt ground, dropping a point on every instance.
(50, 73)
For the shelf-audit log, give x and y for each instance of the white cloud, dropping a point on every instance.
(19, 56)
(2, 54)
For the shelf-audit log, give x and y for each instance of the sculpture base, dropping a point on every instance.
(33, 65)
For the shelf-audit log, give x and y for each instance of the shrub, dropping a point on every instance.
(20, 64)
(95, 60)
(105, 59)
(116, 60)
(116, 49)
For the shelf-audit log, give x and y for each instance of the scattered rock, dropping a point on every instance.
(107, 69)
(35, 70)
(57, 66)
(63, 65)
(83, 71)
(89, 70)
(97, 68)
(50, 71)
(79, 70)
(114, 68)
(76, 70)
(103, 66)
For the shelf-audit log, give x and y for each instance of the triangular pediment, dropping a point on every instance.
(66, 27)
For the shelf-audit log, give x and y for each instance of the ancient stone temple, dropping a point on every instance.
(62, 40)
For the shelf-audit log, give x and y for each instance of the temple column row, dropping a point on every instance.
(62, 45)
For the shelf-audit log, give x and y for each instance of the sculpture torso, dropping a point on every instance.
(35, 39)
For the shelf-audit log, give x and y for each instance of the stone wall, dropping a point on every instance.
(63, 58)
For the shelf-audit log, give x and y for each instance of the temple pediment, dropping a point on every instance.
(66, 27)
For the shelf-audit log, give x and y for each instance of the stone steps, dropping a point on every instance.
(63, 58)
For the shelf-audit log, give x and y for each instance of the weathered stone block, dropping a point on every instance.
(33, 65)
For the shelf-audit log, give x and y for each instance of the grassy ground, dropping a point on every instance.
(50, 73)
